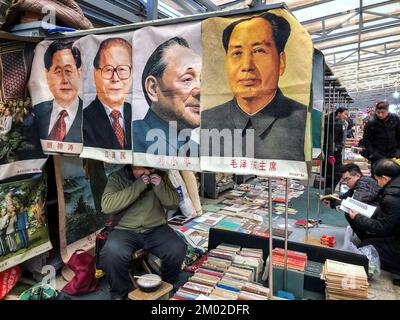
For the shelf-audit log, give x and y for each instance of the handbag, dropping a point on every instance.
(8, 280)
(84, 281)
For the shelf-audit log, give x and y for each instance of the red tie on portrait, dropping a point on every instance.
(119, 132)
(60, 129)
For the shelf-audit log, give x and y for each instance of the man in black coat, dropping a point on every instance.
(63, 72)
(107, 119)
(255, 60)
(334, 138)
(382, 230)
(382, 135)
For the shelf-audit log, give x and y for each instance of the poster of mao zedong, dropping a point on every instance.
(254, 109)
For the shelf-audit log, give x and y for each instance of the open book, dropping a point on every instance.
(329, 196)
(361, 207)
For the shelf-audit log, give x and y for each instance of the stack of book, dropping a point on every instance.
(219, 260)
(295, 260)
(253, 291)
(296, 264)
(205, 279)
(344, 281)
(191, 290)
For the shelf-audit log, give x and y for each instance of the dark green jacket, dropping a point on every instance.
(142, 206)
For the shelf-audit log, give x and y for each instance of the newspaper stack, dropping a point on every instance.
(344, 281)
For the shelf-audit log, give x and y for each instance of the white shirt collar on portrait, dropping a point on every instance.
(109, 110)
(72, 110)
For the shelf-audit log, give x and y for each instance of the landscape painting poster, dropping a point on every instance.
(20, 150)
(23, 224)
(80, 185)
(255, 115)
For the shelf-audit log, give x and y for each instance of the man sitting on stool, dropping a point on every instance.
(140, 195)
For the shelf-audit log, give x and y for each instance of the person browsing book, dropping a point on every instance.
(361, 188)
(382, 230)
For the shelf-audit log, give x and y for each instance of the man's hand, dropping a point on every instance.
(331, 160)
(352, 213)
(155, 179)
(145, 178)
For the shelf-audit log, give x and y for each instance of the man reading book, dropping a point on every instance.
(382, 230)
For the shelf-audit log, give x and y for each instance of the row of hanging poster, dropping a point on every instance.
(224, 94)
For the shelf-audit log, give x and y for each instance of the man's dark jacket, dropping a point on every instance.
(382, 138)
(335, 136)
(279, 127)
(97, 129)
(42, 113)
(365, 190)
(151, 121)
(385, 222)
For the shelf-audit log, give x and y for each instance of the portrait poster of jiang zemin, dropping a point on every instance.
(256, 81)
(55, 84)
(166, 96)
(107, 86)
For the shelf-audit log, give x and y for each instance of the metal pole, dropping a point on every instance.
(333, 138)
(286, 234)
(152, 9)
(320, 170)
(308, 205)
(271, 275)
(202, 185)
(327, 136)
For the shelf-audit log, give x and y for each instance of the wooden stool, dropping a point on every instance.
(138, 258)
(162, 293)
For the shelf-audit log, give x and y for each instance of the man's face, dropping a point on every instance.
(382, 180)
(63, 78)
(343, 115)
(178, 97)
(350, 180)
(253, 64)
(113, 92)
(139, 171)
(381, 113)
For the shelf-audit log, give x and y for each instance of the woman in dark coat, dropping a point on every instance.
(382, 230)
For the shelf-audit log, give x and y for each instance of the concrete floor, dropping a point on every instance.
(383, 288)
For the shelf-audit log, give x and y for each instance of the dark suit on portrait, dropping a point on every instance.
(42, 113)
(153, 121)
(97, 129)
(279, 127)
